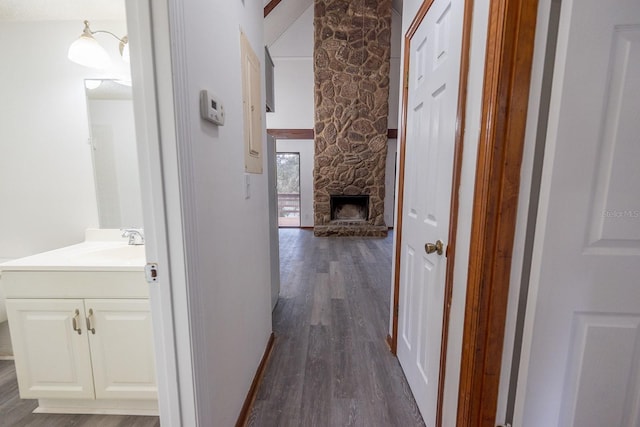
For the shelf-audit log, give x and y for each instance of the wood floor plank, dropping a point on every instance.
(344, 377)
(315, 411)
(321, 310)
(345, 412)
(336, 280)
(367, 256)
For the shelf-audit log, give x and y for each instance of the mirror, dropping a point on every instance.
(114, 153)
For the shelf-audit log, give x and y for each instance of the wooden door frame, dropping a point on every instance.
(508, 60)
(392, 339)
(509, 56)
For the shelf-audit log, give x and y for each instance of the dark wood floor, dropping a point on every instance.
(16, 412)
(330, 365)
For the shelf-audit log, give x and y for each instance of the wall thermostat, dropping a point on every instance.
(211, 108)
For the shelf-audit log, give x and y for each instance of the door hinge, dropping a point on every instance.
(151, 272)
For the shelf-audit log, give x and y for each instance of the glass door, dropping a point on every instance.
(288, 167)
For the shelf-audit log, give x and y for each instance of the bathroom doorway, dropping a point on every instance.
(52, 185)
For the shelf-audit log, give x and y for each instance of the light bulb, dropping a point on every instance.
(92, 84)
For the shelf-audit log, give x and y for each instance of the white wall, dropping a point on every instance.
(46, 178)
(471, 138)
(292, 55)
(226, 235)
(305, 148)
(293, 89)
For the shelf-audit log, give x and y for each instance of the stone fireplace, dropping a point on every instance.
(351, 68)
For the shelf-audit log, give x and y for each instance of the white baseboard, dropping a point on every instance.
(101, 407)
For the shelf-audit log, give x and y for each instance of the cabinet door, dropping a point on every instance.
(121, 348)
(52, 358)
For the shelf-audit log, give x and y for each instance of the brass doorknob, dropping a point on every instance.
(434, 247)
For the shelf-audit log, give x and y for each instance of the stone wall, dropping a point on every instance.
(351, 68)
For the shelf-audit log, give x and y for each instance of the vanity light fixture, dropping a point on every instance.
(88, 52)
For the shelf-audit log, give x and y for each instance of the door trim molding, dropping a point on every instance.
(508, 61)
(392, 339)
(151, 70)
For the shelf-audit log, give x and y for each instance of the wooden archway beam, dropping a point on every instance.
(270, 6)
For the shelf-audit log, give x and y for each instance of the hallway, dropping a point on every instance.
(331, 365)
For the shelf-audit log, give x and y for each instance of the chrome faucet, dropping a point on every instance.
(135, 236)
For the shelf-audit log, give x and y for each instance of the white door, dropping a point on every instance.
(581, 354)
(431, 123)
(121, 348)
(51, 348)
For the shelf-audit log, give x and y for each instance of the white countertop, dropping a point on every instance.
(103, 250)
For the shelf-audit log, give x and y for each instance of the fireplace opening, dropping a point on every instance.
(350, 208)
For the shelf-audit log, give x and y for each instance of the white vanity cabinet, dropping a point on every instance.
(82, 340)
(83, 349)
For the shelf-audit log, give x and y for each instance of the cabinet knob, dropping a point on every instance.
(74, 322)
(90, 322)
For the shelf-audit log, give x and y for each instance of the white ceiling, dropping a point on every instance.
(61, 10)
